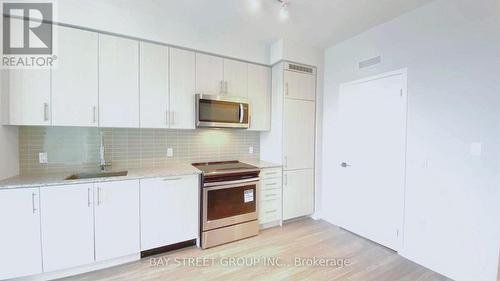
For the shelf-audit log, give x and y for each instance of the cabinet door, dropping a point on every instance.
(235, 78)
(153, 85)
(74, 82)
(20, 244)
(209, 74)
(259, 95)
(300, 86)
(298, 193)
(117, 219)
(169, 211)
(299, 132)
(67, 226)
(118, 82)
(29, 97)
(182, 89)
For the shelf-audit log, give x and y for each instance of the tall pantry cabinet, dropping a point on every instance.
(292, 140)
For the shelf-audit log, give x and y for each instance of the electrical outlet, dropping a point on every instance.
(170, 152)
(250, 150)
(43, 158)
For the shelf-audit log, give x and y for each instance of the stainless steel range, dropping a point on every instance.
(229, 202)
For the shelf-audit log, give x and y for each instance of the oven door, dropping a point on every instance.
(221, 112)
(225, 205)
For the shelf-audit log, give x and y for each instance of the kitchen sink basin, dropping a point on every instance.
(81, 176)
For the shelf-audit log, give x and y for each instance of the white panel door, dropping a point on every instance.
(235, 78)
(259, 96)
(67, 226)
(118, 82)
(298, 193)
(20, 244)
(29, 91)
(29, 97)
(300, 86)
(153, 85)
(372, 119)
(117, 232)
(75, 79)
(209, 74)
(182, 89)
(169, 211)
(299, 132)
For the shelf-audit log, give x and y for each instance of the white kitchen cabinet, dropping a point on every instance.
(28, 96)
(270, 197)
(169, 211)
(298, 193)
(75, 79)
(117, 232)
(235, 78)
(20, 244)
(154, 87)
(182, 89)
(259, 96)
(300, 86)
(209, 74)
(67, 226)
(118, 82)
(298, 134)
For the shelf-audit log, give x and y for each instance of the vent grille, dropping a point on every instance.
(370, 62)
(300, 68)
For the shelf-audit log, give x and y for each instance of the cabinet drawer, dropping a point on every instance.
(270, 194)
(271, 173)
(269, 211)
(271, 184)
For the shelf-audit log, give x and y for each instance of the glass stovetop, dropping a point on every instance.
(222, 167)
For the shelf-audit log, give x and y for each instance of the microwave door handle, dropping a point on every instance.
(242, 112)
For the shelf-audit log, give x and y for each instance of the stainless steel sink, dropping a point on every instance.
(97, 175)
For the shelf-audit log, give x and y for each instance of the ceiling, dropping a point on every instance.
(318, 23)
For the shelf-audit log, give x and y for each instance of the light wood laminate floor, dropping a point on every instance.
(304, 238)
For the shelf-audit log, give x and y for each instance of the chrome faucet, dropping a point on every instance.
(102, 159)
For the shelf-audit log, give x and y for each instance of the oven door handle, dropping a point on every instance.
(242, 112)
(224, 184)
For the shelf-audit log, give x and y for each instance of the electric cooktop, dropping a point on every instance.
(225, 167)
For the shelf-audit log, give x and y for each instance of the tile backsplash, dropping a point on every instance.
(77, 149)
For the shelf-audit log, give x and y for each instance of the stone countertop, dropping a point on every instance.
(26, 181)
(261, 164)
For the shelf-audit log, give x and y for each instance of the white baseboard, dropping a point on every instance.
(81, 269)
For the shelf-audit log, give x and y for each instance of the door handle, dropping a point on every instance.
(242, 112)
(344, 165)
(33, 196)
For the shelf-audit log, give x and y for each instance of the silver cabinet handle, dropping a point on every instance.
(271, 195)
(99, 196)
(167, 114)
(286, 89)
(286, 161)
(172, 117)
(271, 184)
(89, 202)
(221, 87)
(33, 196)
(172, 179)
(45, 111)
(285, 182)
(270, 212)
(274, 173)
(94, 114)
(225, 88)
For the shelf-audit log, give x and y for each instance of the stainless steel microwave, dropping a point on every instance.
(222, 112)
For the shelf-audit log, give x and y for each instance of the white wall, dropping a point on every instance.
(9, 150)
(112, 18)
(452, 51)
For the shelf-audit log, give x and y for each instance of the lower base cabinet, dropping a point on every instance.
(298, 193)
(169, 211)
(270, 197)
(20, 251)
(67, 226)
(117, 222)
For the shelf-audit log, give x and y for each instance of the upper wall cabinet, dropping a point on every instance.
(153, 86)
(259, 95)
(300, 86)
(182, 89)
(75, 79)
(209, 74)
(28, 97)
(235, 78)
(118, 82)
